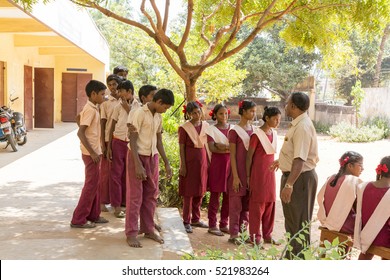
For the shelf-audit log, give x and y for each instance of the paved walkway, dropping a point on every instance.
(38, 193)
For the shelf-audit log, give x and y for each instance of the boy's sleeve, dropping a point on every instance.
(159, 129)
(86, 117)
(103, 112)
(137, 119)
(115, 113)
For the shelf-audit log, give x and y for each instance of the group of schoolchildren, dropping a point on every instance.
(232, 162)
(120, 142)
(356, 208)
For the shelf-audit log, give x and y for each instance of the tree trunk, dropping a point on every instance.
(191, 91)
(378, 66)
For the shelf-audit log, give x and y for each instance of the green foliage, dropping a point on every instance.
(382, 122)
(169, 189)
(322, 128)
(358, 95)
(345, 132)
(245, 251)
(274, 65)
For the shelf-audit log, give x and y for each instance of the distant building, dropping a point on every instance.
(46, 58)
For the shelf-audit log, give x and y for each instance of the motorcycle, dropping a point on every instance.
(12, 127)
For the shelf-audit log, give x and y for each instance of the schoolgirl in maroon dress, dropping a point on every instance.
(239, 136)
(261, 178)
(219, 169)
(372, 226)
(193, 164)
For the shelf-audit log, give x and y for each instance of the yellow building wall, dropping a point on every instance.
(16, 58)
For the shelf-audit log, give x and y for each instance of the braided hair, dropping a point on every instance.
(347, 157)
(385, 164)
(245, 105)
(270, 112)
(216, 109)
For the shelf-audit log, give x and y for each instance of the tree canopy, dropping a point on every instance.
(214, 27)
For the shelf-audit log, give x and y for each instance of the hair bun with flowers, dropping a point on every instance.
(343, 161)
(184, 109)
(211, 113)
(240, 104)
(380, 168)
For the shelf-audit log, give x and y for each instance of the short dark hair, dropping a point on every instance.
(301, 100)
(270, 112)
(165, 95)
(245, 105)
(114, 77)
(127, 85)
(119, 69)
(95, 86)
(145, 91)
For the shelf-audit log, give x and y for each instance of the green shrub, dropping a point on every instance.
(321, 128)
(345, 132)
(245, 251)
(382, 122)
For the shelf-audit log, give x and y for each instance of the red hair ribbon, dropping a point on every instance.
(184, 109)
(228, 111)
(200, 104)
(240, 104)
(211, 113)
(380, 168)
(343, 161)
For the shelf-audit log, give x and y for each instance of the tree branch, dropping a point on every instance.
(166, 15)
(190, 8)
(146, 14)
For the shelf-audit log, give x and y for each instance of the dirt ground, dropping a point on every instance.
(329, 152)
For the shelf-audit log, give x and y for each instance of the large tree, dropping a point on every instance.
(214, 26)
(274, 66)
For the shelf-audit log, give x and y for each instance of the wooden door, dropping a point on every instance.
(2, 83)
(28, 97)
(44, 97)
(73, 94)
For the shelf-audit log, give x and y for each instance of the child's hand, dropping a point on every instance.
(95, 157)
(183, 171)
(236, 184)
(140, 173)
(168, 171)
(274, 166)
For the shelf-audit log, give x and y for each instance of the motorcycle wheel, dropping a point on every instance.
(11, 141)
(23, 141)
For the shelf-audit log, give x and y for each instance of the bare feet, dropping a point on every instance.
(154, 236)
(133, 242)
(103, 208)
(157, 227)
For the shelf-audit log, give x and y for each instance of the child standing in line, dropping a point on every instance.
(106, 110)
(372, 226)
(337, 198)
(121, 71)
(145, 95)
(87, 211)
(145, 143)
(239, 137)
(261, 177)
(117, 146)
(193, 164)
(219, 169)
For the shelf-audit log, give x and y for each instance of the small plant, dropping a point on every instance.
(382, 122)
(322, 128)
(329, 251)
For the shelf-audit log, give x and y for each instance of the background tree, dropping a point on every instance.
(214, 25)
(274, 66)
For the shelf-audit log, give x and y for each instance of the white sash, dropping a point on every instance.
(217, 135)
(200, 139)
(243, 135)
(342, 204)
(364, 238)
(269, 148)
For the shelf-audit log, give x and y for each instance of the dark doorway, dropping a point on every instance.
(73, 95)
(44, 97)
(28, 97)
